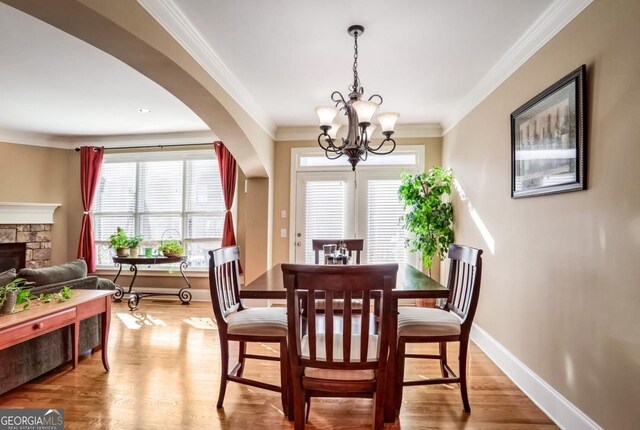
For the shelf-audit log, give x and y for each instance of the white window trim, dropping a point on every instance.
(198, 154)
(297, 153)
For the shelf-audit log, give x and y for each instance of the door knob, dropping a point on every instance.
(299, 243)
(299, 234)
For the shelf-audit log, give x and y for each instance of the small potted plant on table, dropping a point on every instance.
(9, 295)
(120, 242)
(133, 244)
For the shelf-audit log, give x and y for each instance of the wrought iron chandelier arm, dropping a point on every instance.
(339, 100)
(377, 149)
(378, 96)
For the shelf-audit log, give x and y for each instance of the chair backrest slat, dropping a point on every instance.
(224, 282)
(346, 316)
(346, 283)
(364, 329)
(465, 272)
(355, 247)
(311, 311)
(328, 325)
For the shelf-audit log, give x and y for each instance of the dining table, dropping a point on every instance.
(411, 283)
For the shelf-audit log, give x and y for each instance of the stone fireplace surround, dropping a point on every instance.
(37, 238)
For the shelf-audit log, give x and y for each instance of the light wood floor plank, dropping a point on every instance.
(164, 375)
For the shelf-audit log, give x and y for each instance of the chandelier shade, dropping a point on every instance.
(326, 114)
(388, 120)
(359, 113)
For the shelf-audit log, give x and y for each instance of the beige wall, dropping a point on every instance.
(561, 288)
(282, 182)
(38, 175)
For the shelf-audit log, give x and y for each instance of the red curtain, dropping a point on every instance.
(90, 164)
(227, 165)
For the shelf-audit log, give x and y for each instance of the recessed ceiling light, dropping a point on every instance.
(144, 110)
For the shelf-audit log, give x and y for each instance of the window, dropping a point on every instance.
(334, 202)
(160, 197)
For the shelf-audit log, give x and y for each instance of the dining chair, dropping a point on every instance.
(244, 325)
(338, 354)
(355, 247)
(450, 323)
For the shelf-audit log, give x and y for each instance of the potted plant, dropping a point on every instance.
(133, 244)
(171, 248)
(430, 214)
(9, 295)
(120, 242)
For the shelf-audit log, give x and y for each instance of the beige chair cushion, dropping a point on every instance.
(259, 322)
(336, 374)
(427, 322)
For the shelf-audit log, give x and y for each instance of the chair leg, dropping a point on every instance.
(298, 402)
(224, 370)
(307, 402)
(463, 375)
(242, 349)
(402, 346)
(378, 405)
(284, 377)
(443, 359)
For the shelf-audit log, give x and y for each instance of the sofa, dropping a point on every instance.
(23, 362)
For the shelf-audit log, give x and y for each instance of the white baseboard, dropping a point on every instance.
(564, 413)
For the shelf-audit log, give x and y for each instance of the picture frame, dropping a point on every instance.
(548, 140)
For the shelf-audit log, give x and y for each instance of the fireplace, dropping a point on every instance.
(12, 256)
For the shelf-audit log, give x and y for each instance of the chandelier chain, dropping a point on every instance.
(356, 79)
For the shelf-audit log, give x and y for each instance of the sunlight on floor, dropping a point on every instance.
(482, 228)
(201, 323)
(138, 319)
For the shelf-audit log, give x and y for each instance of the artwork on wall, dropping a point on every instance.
(548, 140)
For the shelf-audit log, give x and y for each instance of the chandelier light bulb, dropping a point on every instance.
(326, 114)
(365, 110)
(333, 131)
(388, 120)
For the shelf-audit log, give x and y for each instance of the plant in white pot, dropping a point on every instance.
(133, 244)
(429, 217)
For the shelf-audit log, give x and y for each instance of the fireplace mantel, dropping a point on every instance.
(27, 213)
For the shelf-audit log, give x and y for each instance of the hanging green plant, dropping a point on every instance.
(430, 214)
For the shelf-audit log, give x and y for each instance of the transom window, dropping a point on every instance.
(175, 195)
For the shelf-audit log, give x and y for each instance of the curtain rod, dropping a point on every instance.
(155, 146)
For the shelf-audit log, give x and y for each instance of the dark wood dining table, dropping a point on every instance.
(410, 284)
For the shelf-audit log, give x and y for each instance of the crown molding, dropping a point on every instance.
(554, 19)
(402, 131)
(70, 142)
(169, 15)
(152, 139)
(35, 139)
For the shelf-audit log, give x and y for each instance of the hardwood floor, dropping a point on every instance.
(165, 372)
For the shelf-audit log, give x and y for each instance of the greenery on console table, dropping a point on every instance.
(430, 214)
(24, 297)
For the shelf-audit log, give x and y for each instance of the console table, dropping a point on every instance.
(47, 317)
(134, 297)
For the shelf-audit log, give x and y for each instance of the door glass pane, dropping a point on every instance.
(385, 235)
(325, 207)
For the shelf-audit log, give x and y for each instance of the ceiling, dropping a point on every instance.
(279, 59)
(52, 83)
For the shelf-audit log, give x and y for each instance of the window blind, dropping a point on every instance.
(325, 207)
(385, 235)
(160, 199)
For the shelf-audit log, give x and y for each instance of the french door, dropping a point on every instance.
(344, 204)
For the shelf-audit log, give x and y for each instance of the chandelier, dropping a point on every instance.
(359, 113)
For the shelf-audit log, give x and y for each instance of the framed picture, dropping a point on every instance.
(548, 140)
